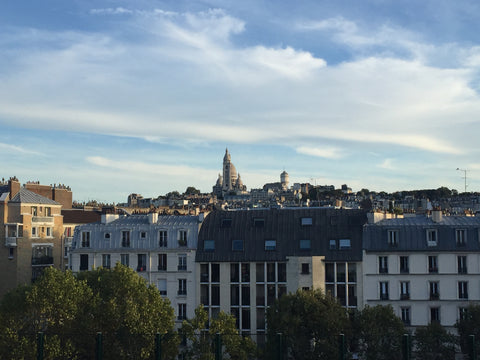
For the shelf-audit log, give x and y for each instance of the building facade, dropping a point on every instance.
(427, 268)
(160, 248)
(248, 258)
(32, 228)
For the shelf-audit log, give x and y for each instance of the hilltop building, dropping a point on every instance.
(230, 182)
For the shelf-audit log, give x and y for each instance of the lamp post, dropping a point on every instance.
(464, 177)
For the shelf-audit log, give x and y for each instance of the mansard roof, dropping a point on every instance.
(412, 234)
(25, 196)
(285, 227)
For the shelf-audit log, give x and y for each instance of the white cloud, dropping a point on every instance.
(329, 153)
(18, 149)
(387, 164)
(111, 11)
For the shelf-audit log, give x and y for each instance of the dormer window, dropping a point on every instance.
(461, 237)
(270, 245)
(258, 222)
(392, 237)
(85, 239)
(107, 236)
(182, 238)
(226, 223)
(432, 237)
(306, 221)
(344, 244)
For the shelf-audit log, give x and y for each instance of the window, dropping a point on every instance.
(463, 290)
(106, 261)
(257, 222)
(162, 262)
(435, 314)
(162, 286)
(34, 211)
(432, 264)
(306, 221)
(245, 295)
(85, 239)
(461, 237)
(48, 211)
(143, 234)
(237, 245)
(141, 262)
(305, 268)
(404, 290)
(270, 245)
(462, 313)
(462, 264)
(245, 271)
(405, 313)
(215, 273)
(34, 232)
(162, 238)
(305, 244)
(49, 232)
(215, 295)
(182, 238)
(182, 312)
(204, 273)
(226, 223)
(384, 290)
(392, 237)
(333, 244)
(10, 252)
(182, 262)
(126, 238)
(234, 295)
(209, 245)
(344, 244)
(107, 236)
(383, 264)
(182, 287)
(432, 237)
(83, 262)
(404, 266)
(282, 272)
(125, 259)
(434, 290)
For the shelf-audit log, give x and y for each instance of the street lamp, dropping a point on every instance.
(464, 177)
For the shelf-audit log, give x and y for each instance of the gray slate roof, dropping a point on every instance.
(412, 234)
(29, 197)
(284, 226)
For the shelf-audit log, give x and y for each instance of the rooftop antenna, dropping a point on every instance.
(464, 177)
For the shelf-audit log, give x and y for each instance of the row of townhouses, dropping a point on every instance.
(426, 267)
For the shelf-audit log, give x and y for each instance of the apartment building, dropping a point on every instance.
(32, 228)
(426, 267)
(248, 258)
(160, 248)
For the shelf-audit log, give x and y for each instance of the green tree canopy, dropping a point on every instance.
(201, 340)
(380, 333)
(191, 191)
(310, 322)
(433, 342)
(468, 325)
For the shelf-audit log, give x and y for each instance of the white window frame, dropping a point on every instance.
(432, 237)
(461, 237)
(392, 236)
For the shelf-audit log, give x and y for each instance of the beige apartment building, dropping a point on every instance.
(31, 230)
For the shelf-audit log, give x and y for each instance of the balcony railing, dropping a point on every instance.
(404, 296)
(434, 296)
(182, 267)
(10, 241)
(43, 219)
(141, 268)
(43, 260)
(182, 292)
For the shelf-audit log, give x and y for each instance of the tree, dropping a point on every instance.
(468, 325)
(201, 340)
(380, 333)
(191, 191)
(310, 322)
(433, 342)
(129, 313)
(53, 305)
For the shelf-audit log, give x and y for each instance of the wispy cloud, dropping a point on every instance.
(328, 153)
(387, 164)
(18, 149)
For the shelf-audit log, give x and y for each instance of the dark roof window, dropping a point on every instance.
(306, 221)
(237, 245)
(270, 245)
(226, 223)
(209, 245)
(305, 244)
(344, 244)
(258, 222)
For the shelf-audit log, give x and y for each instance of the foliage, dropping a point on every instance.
(380, 333)
(469, 325)
(191, 191)
(173, 194)
(128, 312)
(433, 342)
(71, 310)
(200, 340)
(310, 322)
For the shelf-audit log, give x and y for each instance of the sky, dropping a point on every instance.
(119, 97)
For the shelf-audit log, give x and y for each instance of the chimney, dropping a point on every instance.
(437, 215)
(152, 218)
(13, 187)
(108, 218)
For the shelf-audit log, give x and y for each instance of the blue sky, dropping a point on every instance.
(115, 97)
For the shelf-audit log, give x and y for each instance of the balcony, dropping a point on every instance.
(434, 296)
(10, 241)
(433, 270)
(182, 292)
(141, 268)
(42, 260)
(405, 297)
(42, 219)
(383, 296)
(182, 267)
